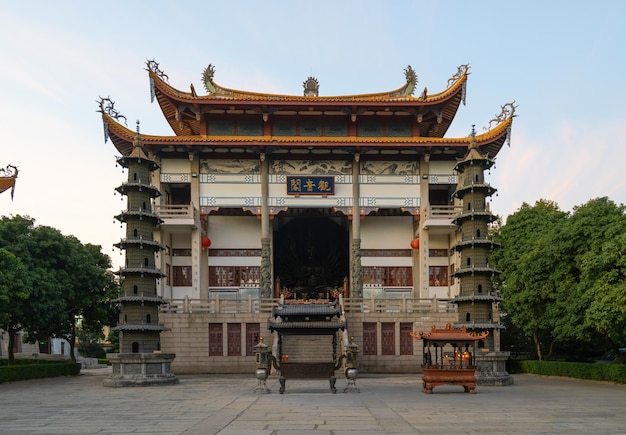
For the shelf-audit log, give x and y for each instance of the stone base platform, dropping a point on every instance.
(492, 369)
(141, 370)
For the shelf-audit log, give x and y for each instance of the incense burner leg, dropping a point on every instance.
(282, 380)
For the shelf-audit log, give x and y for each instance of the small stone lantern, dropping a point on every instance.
(352, 371)
(262, 352)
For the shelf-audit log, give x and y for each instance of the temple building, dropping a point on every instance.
(301, 199)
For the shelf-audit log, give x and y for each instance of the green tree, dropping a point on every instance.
(597, 304)
(13, 294)
(528, 260)
(66, 281)
(564, 276)
(14, 238)
(88, 296)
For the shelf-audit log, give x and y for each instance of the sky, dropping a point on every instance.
(562, 63)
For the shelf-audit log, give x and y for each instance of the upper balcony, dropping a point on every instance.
(440, 217)
(183, 216)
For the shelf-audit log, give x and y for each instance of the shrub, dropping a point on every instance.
(578, 370)
(38, 369)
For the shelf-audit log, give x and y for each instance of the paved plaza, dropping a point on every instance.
(386, 404)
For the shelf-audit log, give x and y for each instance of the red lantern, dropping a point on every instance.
(415, 243)
(206, 242)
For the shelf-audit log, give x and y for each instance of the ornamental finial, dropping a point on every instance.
(311, 87)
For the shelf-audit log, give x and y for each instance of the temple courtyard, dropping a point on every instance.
(386, 404)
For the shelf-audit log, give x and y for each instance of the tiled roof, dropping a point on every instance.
(227, 94)
(490, 142)
(140, 327)
(313, 325)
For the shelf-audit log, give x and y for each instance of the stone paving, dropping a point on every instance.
(386, 404)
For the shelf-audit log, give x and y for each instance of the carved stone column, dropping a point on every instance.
(265, 286)
(356, 286)
(266, 268)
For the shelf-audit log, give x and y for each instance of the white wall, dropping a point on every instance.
(387, 232)
(175, 166)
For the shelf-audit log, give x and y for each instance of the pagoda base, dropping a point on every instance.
(492, 369)
(141, 370)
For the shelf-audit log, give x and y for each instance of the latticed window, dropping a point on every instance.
(369, 339)
(406, 341)
(253, 334)
(233, 276)
(438, 276)
(388, 276)
(388, 333)
(182, 275)
(216, 346)
(234, 339)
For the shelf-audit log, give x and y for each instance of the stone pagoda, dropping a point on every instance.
(140, 361)
(477, 300)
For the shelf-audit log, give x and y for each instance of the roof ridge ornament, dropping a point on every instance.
(461, 71)
(311, 87)
(153, 65)
(409, 87)
(109, 110)
(8, 174)
(207, 78)
(107, 106)
(507, 111)
(209, 84)
(411, 79)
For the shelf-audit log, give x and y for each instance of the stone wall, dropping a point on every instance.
(189, 340)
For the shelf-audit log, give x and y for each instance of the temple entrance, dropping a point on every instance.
(311, 254)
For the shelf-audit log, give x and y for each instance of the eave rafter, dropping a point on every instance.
(489, 142)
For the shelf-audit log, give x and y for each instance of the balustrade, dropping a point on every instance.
(260, 305)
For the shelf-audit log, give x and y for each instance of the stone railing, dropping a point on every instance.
(354, 305)
(175, 211)
(443, 211)
(219, 305)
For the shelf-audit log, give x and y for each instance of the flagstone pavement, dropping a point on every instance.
(386, 404)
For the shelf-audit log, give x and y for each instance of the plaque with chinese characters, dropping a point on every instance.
(310, 185)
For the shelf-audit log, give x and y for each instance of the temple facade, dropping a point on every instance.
(300, 199)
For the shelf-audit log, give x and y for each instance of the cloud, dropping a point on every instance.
(568, 165)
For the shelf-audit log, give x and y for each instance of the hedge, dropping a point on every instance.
(578, 370)
(31, 361)
(38, 369)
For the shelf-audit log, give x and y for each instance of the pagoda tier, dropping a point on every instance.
(150, 217)
(139, 186)
(140, 242)
(141, 271)
(483, 215)
(140, 327)
(486, 189)
(139, 298)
